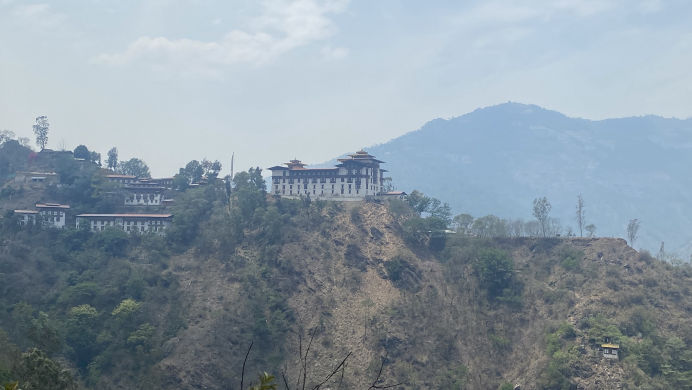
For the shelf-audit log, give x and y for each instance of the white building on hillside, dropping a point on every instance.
(121, 179)
(53, 214)
(354, 178)
(137, 194)
(26, 217)
(140, 223)
(36, 177)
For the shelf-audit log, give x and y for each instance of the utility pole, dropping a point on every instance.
(229, 185)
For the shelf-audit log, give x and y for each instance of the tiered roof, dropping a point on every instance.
(360, 157)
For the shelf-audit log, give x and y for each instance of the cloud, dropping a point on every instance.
(283, 26)
(334, 53)
(507, 11)
(650, 6)
(39, 15)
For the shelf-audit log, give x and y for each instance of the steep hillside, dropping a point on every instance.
(328, 281)
(496, 160)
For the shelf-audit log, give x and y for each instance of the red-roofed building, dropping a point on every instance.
(354, 178)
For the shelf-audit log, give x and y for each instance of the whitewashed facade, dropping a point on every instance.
(26, 217)
(130, 223)
(143, 195)
(353, 179)
(53, 214)
(121, 179)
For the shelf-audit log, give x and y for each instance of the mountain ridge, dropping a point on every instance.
(620, 165)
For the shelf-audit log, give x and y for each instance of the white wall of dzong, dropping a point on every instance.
(335, 187)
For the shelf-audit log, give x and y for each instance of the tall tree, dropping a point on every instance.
(632, 231)
(591, 229)
(211, 169)
(580, 215)
(95, 158)
(81, 151)
(112, 158)
(463, 222)
(541, 211)
(6, 135)
(134, 167)
(41, 131)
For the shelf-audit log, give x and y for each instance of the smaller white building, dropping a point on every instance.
(394, 195)
(26, 217)
(121, 179)
(143, 195)
(53, 214)
(130, 223)
(610, 351)
(36, 178)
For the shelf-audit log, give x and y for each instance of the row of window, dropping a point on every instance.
(362, 171)
(305, 191)
(322, 180)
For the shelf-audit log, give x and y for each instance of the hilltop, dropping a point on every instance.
(496, 160)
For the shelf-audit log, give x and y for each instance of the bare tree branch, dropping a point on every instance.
(242, 373)
(305, 359)
(300, 356)
(283, 376)
(333, 372)
(341, 380)
(379, 374)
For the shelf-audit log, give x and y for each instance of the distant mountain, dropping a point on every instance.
(496, 160)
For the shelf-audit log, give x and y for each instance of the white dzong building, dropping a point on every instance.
(356, 177)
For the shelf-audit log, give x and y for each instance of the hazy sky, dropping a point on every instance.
(171, 81)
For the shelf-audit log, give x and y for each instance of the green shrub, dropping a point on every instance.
(403, 274)
(506, 386)
(500, 342)
(570, 258)
(495, 269)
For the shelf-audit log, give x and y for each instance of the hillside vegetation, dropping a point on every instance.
(310, 284)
